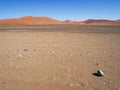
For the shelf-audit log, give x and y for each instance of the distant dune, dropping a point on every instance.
(30, 20)
(94, 22)
(102, 22)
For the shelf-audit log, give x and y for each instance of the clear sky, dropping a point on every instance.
(61, 9)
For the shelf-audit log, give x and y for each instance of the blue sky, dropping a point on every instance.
(61, 9)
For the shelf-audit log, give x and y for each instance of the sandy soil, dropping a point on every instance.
(59, 61)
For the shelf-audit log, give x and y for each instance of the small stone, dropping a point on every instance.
(89, 54)
(25, 49)
(68, 70)
(18, 78)
(100, 73)
(97, 64)
(111, 56)
(53, 51)
(20, 55)
(71, 85)
(7, 87)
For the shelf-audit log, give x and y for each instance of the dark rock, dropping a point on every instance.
(99, 73)
(25, 49)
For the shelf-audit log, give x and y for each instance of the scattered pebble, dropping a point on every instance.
(20, 55)
(68, 70)
(25, 49)
(7, 87)
(17, 49)
(71, 55)
(111, 56)
(80, 54)
(71, 85)
(89, 54)
(0, 66)
(110, 64)
(97, 64)
(52, 51)
(7, 56)
(18, 78)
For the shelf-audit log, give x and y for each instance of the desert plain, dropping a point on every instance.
(59, 57)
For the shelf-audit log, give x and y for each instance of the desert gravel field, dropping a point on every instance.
(59, 57)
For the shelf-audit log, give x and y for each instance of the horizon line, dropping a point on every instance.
(58, 19)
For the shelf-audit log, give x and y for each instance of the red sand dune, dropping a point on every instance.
(29, 20)
(94, 22)
(102, 22)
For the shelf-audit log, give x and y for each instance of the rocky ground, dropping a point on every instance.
(59, 60)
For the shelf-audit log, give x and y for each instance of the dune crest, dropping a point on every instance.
(30, 20)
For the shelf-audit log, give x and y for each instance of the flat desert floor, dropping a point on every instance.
(59, 57)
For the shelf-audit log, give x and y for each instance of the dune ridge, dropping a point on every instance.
(30, 20)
